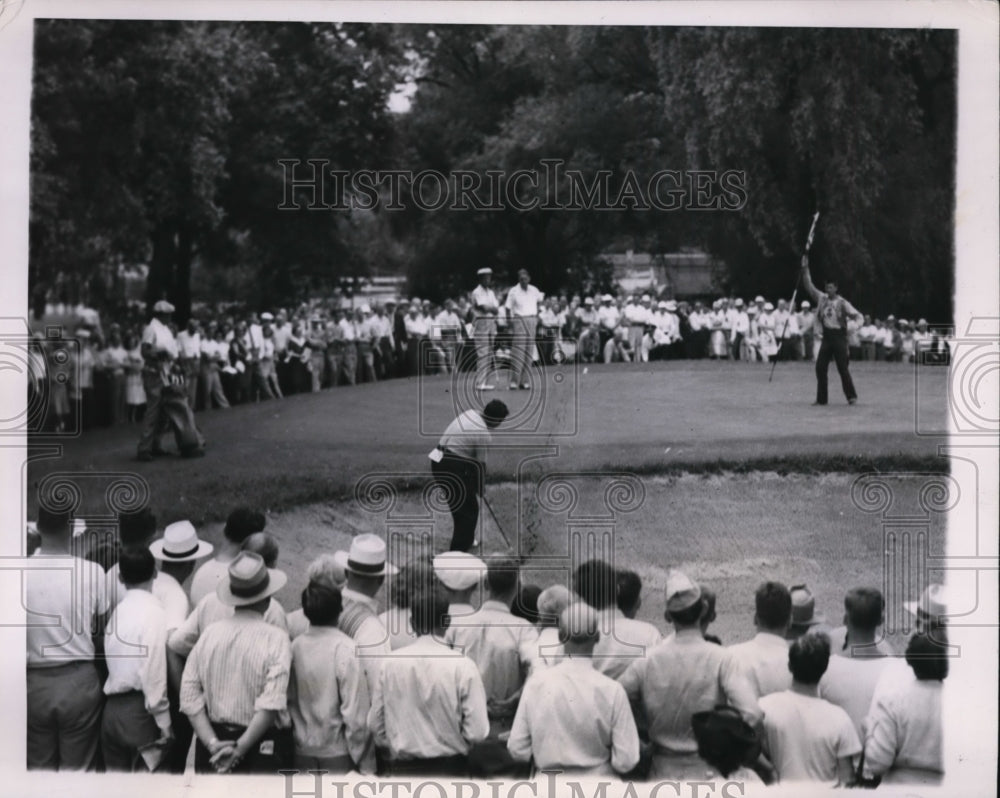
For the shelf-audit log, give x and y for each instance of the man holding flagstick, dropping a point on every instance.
(833, 312)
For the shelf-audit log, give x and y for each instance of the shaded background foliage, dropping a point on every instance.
(159, 143)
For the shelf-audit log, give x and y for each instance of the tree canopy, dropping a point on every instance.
(163, 142)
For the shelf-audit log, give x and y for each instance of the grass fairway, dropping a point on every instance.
(741, 479)
(654, 418)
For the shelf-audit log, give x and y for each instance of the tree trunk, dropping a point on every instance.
(181, 293)
(161, 266)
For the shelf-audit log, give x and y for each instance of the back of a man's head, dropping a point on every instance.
(53, 523)
(136, 565)
(629, 592)
(242, 523)
(429, 610)
(596, 582)
(137, 528)
(773, 605)
(864, 608)
(501, 576)
(808, 658)
(927, 655)
(264, 544)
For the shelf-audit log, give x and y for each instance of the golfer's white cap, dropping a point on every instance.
(267, 317)
(805, 304)
(768, 306)
(739, 302)
(758, 298)
(366, 309)
(671, 305)
(484, 270)
(588, 301)
(645, 298)
(607, 298)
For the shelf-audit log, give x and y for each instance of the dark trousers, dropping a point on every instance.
(125, 728)
(64, 716)
(462, 481)
(834, 346)
(273, 752)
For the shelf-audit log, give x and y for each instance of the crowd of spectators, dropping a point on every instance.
(452, 665)
(236, 357)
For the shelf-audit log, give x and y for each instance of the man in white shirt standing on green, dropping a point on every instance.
(522, 303)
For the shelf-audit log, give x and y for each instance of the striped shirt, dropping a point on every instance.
(141, 662)
(429, 704)
(328, 698)
(210, 610)
(360, 622)
(239, 666)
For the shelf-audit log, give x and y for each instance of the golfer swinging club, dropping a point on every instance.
(833, 312)
(459, 463)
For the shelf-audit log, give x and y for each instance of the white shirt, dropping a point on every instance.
(764, 659)
(428, 704)
(61, 602)
(166, 590)
(622, 641)
(396, 621)
(467, 436)
(572, 717)
(636, 314)
(542, 652)
(904, 730)
(159, 337)
(188, 345)
(328, 698)
(281, 336)
(524, 301)
(608, 316)
(741, 322)
(348, 328)
(447, 320)
(484, 298)
(416, 325)
(806, 736)
(850, 684)
(493, 639)
(141, 662)
(207, 577)
(686, 674)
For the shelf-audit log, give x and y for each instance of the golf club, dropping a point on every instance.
(496, 522)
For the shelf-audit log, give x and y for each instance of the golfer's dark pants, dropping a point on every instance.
(834, 346)
(273, 752)
(461, 479)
